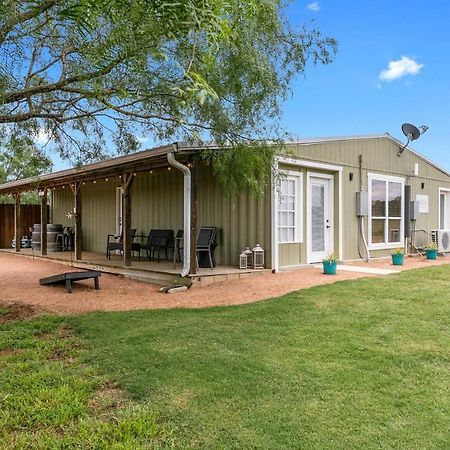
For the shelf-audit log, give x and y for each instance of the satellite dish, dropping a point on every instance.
(412, 133)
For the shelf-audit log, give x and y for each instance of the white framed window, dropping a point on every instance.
(386, 211)
(290, 207)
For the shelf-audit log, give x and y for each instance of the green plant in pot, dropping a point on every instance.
(398, 256)
(431, 251)
(330, 264)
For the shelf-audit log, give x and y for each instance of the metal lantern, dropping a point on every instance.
(249, 254)
(258, 257)
(243, 260)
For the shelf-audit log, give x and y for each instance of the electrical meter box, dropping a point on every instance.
(414, 210)
(362, 204)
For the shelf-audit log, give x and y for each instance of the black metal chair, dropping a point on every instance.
(118, 244)
(158, 240)
(206, 244)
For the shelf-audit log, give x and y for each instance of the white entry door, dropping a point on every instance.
(320, 216)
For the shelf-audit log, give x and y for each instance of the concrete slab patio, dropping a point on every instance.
(19, 284)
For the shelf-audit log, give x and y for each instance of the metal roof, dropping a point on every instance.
(157, 157)
(137, 162)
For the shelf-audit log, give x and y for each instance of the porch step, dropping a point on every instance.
(159, 278)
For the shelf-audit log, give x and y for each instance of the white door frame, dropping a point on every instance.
(445, 191)
(328, 205)
(297, 162)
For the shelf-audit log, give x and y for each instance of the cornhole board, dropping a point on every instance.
(69, 277)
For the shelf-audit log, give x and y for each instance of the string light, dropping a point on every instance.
(106, 179)
(169, 168)
(95, 181)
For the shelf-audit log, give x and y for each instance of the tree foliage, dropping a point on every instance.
(21, 158)
(94, 72)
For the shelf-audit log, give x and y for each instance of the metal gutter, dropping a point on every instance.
(186, 209)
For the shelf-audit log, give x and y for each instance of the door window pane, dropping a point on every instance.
(317, 218)
(395, 200)
(378, 198)
(377, 231)
(442, 212)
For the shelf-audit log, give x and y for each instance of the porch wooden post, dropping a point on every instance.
(17, 224)
(77, 211)
(126, 229)
(44, 221)
(194, 211)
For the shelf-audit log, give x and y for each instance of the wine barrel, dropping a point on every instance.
(36, 237)
(53, 243)
(53, 231)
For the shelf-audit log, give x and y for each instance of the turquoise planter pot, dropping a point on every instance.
(397, 260)
(329, 267)
(431, 254)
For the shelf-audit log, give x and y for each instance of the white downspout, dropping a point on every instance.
(186, 210)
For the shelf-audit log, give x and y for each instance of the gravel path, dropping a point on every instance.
(19, 284)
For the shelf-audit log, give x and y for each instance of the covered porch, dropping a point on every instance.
(168, 189)
(121, 173)
(162, 273)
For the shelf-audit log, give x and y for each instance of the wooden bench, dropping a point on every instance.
(69, 277)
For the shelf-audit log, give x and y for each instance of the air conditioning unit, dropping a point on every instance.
(442, 239)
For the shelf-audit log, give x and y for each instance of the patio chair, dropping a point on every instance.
(206, 243)
(118, 244)
(158, 240)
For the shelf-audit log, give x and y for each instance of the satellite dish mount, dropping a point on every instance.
(412, 133)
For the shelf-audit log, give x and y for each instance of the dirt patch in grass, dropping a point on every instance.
(10, 351)
(17, 311)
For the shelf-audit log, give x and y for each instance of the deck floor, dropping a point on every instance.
(163, 269)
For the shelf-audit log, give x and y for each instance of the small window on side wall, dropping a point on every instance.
(290, 207)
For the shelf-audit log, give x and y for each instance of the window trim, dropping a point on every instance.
(386, 245)
(445, 191)
(297, 177)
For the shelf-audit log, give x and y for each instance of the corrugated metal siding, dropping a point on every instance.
(61, 203)
(379, 156)
(243, 220)
(157, 202)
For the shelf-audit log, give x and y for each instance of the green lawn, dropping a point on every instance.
(357, 364)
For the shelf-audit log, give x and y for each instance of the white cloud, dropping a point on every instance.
(43, 137)
(314, 6)
(400, 68)
(142, 139)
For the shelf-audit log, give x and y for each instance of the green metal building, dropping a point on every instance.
(310, 210)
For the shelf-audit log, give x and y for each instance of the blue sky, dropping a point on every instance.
(348, 97)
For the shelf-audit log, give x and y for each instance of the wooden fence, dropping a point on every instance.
(29, 215)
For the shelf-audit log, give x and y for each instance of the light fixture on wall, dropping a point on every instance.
(350, 176)
(412, 133)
